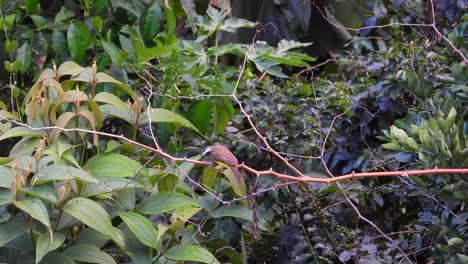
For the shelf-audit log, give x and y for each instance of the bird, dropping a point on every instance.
(223, 157)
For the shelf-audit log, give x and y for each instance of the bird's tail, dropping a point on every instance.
(239, 177)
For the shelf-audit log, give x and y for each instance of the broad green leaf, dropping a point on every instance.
(57, 258)
(43, 244)
(114, 52)
(69, 68)
(182, 215)
(108, 185)
(44, 192)
(88, 253)
(5, 197)
(157, 115)
(222, 113)
(108, 98)
(61, 173)
(24, 55)
(171, 20)
(163, 47)
(168, 183)
(105, 78)
(232, 24)
(21, 131)
(164, 202)
(30, 6)
(209, 177)
(238, 185)
(5, 176)
(98, 6)
(141, 227)
(391, 146)
(39, 21)
(11, 230)
(117, 112)
(9, 20)
(58, 42)
(112, 165)
(238, 211)
(36, 209)
(150, 22)
(190, 253)
(128, 46)
(63, 15)
(78, 40)
(199, 113)
(90, 213)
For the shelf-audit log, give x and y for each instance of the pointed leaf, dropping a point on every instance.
(88, 253)
(22, 132)
(141, 227)
(90, 213)
(164, 202)
(61, 173)
(36, 209)
(112, 165)
(190, 253)
(43, 244)
(156, 115)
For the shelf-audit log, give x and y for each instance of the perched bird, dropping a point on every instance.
(223, 157)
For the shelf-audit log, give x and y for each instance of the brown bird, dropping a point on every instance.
(223, 157)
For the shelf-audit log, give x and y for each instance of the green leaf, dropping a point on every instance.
(36, 209)
(98, 6)
(5, 197)
(58, 42)
(6, 175)
(237, 211)
(158, 115)
(90, 213)
(69, 68)
(105, 78)
(78, 40)
(164, 202)
(57, 258)
(31, 6)
(170, 20)
(39, 21)
(199, 113)
(190, 253)
(9, 20)
(88, 253)
(238, 185)
(209, 177)
(127, 46)
(44, 192)
(168, 183)
(61, 173)
(112, 165)
(163, 47)
(11, 230)
(114, 52)
(24, 55)
(221, 115)
(63, 15)
(391, 146)
(22, 132)
(150, 22)
(43, 244)
(108, 98)
(141, 227)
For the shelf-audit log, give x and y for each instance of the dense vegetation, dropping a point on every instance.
(105, 107)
